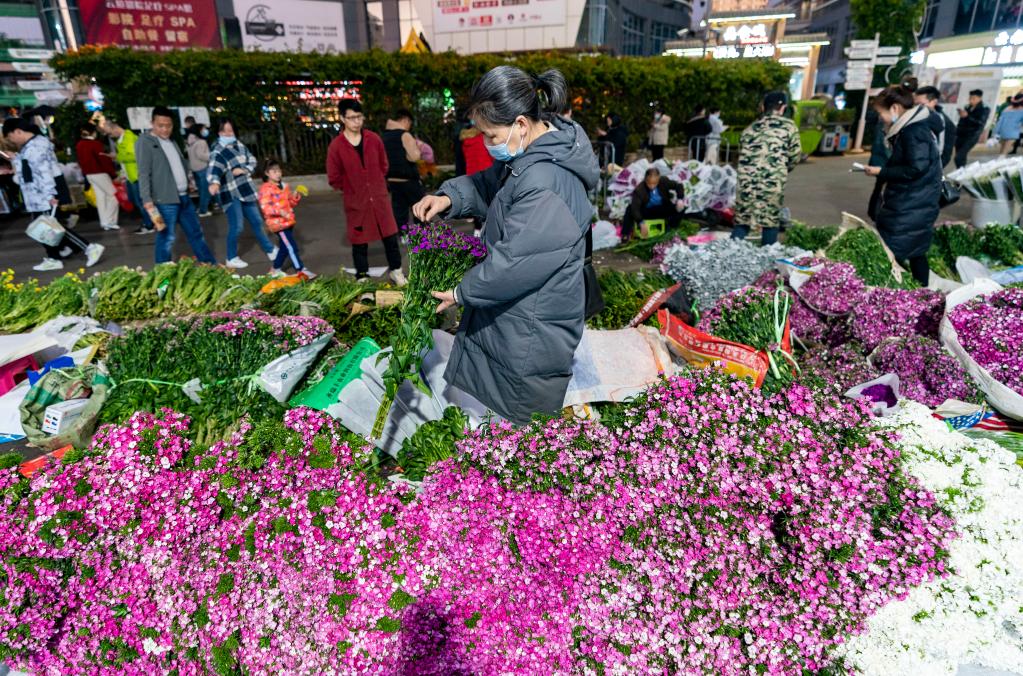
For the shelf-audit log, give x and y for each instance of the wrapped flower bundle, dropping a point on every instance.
(833, 290)
(438, 258)
(927, 372)
(758, 318)
(888, 313)
(990, 328)
(989, 180)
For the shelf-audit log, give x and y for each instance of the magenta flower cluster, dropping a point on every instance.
(841, 367)
(713, 530)
(444, 238)
(833, 290)
(294, 331)
(896, 313)
(927, 372)
(990, 328)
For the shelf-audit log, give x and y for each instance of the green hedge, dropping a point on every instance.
(241, 83)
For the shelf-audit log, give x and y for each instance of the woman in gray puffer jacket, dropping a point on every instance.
(524, 304)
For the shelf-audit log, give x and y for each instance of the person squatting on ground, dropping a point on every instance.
(163, 188)
(656, 197)
(278, 203)
(43, 189)
(357, 167)
(770, 150)
(230, 176)
(905, 204)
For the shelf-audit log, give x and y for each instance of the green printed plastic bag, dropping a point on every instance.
(60, 385)
(325, 393)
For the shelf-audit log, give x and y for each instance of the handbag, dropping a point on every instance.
(949, 194)
(594, 297)
(46, 229)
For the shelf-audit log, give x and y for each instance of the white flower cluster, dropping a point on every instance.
(997, 179)
(974, 616)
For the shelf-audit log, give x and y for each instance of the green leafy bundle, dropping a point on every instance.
(1003, 243)
(624, 296)
(809, 237)
(433, 441)
(26, 305)
(865, 251)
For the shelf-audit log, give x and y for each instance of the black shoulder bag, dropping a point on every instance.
(594, 297)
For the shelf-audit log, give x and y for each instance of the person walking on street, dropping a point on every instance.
(616, 134)
(972, 120)
(657, 137)
(124, 147)
(43, 189)
(698, 130)
(717, 127)
(230, 176)
(199, 162)
(656, 197)
(1007, 129)
(524, 304)
(906, 206)
(163, 187)
(357, 166)
(942, 127)
(402, 171)
(278, 203)
(770, 150)
(98, 167)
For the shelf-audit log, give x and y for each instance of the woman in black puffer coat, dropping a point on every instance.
(906, 206)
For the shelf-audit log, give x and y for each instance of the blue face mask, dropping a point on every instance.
(205, 133)
(226, 139)
(500, 152)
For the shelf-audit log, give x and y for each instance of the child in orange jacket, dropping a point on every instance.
(278, 205)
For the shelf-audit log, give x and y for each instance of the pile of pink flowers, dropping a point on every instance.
(990, 328)
(834, 290)
(706, 527)
(927, 372)
(896, 313)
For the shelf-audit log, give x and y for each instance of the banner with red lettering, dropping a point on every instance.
(151, 24)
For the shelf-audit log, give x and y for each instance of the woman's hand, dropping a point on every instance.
(214, 188)
(238, 171)
(446, 298)
(430, 206)
(871, 171)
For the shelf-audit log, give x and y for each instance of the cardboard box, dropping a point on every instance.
(58, 416)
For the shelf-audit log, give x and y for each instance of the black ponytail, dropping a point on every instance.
(506, 92)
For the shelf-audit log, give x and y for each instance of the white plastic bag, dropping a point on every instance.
(879, 408)
(1006, 400)
(45, 229)
(605, 236)
(280, 376)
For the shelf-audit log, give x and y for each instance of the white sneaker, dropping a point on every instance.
(92, 254)
(205, 214)
(49, 264)
(398, 277)
(110, 226)
(273, 254)
(236, 263)
(72, 221)
(275, 273)
(65, 252)
(307, 274)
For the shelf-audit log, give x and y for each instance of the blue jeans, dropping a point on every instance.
(767, 235)
(235, 209)
(203, 186)
(136, 199)
(184, 213)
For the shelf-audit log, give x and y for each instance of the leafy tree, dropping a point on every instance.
(896, 20)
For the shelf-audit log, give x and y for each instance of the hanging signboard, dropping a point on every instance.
(153, 26)
(291, 25)
(456, 16)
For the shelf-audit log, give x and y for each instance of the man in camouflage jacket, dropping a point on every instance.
(770, 150)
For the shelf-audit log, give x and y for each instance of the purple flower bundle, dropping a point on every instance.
(833, 290)
(841, 367)
(927, 372)
(439, 257)
(990, 329)
(716, 529)
(896, 313)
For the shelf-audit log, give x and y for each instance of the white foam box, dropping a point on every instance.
(58, 416)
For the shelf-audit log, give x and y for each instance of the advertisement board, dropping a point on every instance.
(291, 25)
(151, 24)
(455, 16)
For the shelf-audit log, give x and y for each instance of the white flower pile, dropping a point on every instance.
(707, 186)
(997, 179)
(974, 616)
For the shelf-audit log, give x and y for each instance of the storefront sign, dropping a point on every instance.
(455, 16)
(151, 24)
(746, 34)
(291, 25)
(743, 51)
(740, 5)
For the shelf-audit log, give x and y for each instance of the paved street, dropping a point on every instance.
(819, 191)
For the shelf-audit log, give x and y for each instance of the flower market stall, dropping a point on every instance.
(824, 478)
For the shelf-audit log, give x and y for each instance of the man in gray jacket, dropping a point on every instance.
(163, 187)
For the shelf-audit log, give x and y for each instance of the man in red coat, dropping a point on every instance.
(357, 166)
